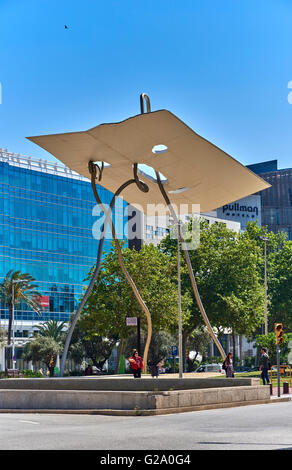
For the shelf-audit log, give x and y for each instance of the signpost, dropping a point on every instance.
(135, 321)
(174, 352)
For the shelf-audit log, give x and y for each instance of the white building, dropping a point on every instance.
(156, 228)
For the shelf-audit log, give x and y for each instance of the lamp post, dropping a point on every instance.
(180, 352)
(179, 304)
(265, 239)
(14, 281)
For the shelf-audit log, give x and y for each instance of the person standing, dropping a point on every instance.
(154, 370)
(265, 366)
(136, 364)
(229, 365)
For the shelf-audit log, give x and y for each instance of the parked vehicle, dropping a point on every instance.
(209, 368)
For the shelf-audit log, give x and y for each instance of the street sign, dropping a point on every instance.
(174, 350)
(131, 321)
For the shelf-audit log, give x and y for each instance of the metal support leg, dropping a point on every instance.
(144, 188)
(190, 269)
(94, 277)
(108, 220)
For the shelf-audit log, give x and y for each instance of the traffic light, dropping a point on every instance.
(279, 333)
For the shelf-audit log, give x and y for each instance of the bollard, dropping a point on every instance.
(285, 387)
(271, 389)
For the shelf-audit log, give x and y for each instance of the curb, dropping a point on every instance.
(153, 412)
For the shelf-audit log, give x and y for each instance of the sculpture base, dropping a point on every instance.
(127, 396)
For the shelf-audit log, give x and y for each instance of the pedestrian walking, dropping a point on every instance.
(136, 364)
(228, 365)
(265, 366)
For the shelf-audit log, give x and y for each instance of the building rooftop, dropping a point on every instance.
(264, 167)
(30, 163)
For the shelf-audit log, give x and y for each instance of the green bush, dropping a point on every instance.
(250, 361)
(27, 373)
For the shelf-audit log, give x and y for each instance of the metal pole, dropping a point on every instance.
(266, 289)
(138, 336)
(12, 326)
(278, 370)
(179, 304)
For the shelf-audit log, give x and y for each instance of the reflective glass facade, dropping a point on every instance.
(46, 219)
(276, 201)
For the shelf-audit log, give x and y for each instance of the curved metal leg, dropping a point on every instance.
(93, 279)
(190, 269)
(143, 187)
(126, 274)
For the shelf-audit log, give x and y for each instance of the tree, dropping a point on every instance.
(91, 345)
(269, 341)
(278, 271)
(280, 286)
(24, 290)
(52, 329)
(198, 342)
(225, 265)
(159, 349)
(112, 299)
(44, 349)
(2, 337)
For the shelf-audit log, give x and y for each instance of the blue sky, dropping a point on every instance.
(223, 67)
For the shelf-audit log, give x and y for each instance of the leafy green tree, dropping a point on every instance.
(112, 299)
(225, 265)
(159, 349)
(198, 341)
(44, 349)
(24, 290)
(278, 271)
(269, 341)
(87, 343)
(280, 286)
(2, 337)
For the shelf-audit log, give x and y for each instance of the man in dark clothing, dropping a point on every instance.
(264, 367)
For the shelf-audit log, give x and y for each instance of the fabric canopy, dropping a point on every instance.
(195, 170)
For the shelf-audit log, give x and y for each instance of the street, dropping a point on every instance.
(257, 427)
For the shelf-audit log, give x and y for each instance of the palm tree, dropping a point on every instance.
(52, 329)
(24, 290)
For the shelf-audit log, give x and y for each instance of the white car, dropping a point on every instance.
(209, 368)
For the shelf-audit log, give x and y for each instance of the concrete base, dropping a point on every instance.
(131, 403)
(125, 384)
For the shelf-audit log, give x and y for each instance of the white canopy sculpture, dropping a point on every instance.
(188, 168)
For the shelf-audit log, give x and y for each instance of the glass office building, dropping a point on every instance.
(276, 201)
(49, 229)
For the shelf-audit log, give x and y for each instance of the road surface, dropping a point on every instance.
(256, 427)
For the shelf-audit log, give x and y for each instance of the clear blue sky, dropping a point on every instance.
(223, 67)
